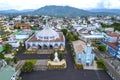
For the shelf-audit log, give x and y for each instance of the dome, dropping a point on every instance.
(47, 34)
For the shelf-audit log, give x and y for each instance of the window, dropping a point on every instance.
(45, 37)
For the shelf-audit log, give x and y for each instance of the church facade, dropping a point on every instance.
(83, 53)
(46, 38)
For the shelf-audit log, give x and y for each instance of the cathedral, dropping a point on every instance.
(46, 38)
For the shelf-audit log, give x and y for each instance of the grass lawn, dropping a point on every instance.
(100, 64)
(32, 61)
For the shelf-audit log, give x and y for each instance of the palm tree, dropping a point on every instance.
(7, 48)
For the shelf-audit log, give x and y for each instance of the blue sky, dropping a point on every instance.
(82, 4)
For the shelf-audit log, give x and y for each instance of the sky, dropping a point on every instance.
(81, 4)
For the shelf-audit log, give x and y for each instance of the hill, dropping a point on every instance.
(61, 11)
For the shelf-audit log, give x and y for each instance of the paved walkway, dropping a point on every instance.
(41, 65)
(70, 73)
(45, 51)
(93, 67)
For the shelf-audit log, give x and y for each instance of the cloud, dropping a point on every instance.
(82, 4)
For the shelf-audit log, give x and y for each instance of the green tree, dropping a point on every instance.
(101, 47)
(60, 57)
(20, 46)
(64, 31)
(2, 56)
(15, 60)
(7, 48)
(71, 37)
(27, 67)
(76, 37)
(52, 57)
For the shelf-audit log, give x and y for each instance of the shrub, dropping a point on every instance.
(56, 66)
(15, 60)
(27, 67)
(52, 57)
(32, 61)
(79, 66)
(8, 60)
(100, 64)
(60, 57)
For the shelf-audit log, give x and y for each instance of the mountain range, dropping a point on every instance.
(61, 11)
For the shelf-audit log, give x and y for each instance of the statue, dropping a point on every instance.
(56, 57)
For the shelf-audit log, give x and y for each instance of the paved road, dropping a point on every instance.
(109, 66)
(66, 74)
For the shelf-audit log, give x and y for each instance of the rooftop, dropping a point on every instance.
(6, 73)
(114, 45)
(24, 33)
(34, 39)
(113, 34)
(79, 46)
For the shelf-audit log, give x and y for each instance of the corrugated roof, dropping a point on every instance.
(6, 73)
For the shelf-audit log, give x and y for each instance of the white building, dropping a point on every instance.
(46, 38)
(23, 34)
(12, 41)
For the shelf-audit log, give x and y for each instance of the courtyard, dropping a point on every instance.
(70, 73)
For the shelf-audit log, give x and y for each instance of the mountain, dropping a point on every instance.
(16, 11)
(9, 11)
(115, 11)
(27, 10)
(61, 11)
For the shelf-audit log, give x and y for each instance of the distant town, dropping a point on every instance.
(34, 47)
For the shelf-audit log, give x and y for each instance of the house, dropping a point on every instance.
(90, 34)
(23, 34)
(112, 43)
(12, 41)
(83, 53)
(23, 25)
(7, 72)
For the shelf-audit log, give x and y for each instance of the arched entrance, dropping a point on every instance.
(45, 46)
(61, 45)
(28, 46)
(34, 46)
(39, 47)
(51, 46)
(56, 46)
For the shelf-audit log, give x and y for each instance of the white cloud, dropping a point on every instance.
(83, 4)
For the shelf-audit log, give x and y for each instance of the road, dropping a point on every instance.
(110, 68)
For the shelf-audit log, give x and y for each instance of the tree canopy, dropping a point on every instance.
(102, 47)
(64, 31)
(27, 67)
(2, 56)
(116, 26)
(7, 48)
